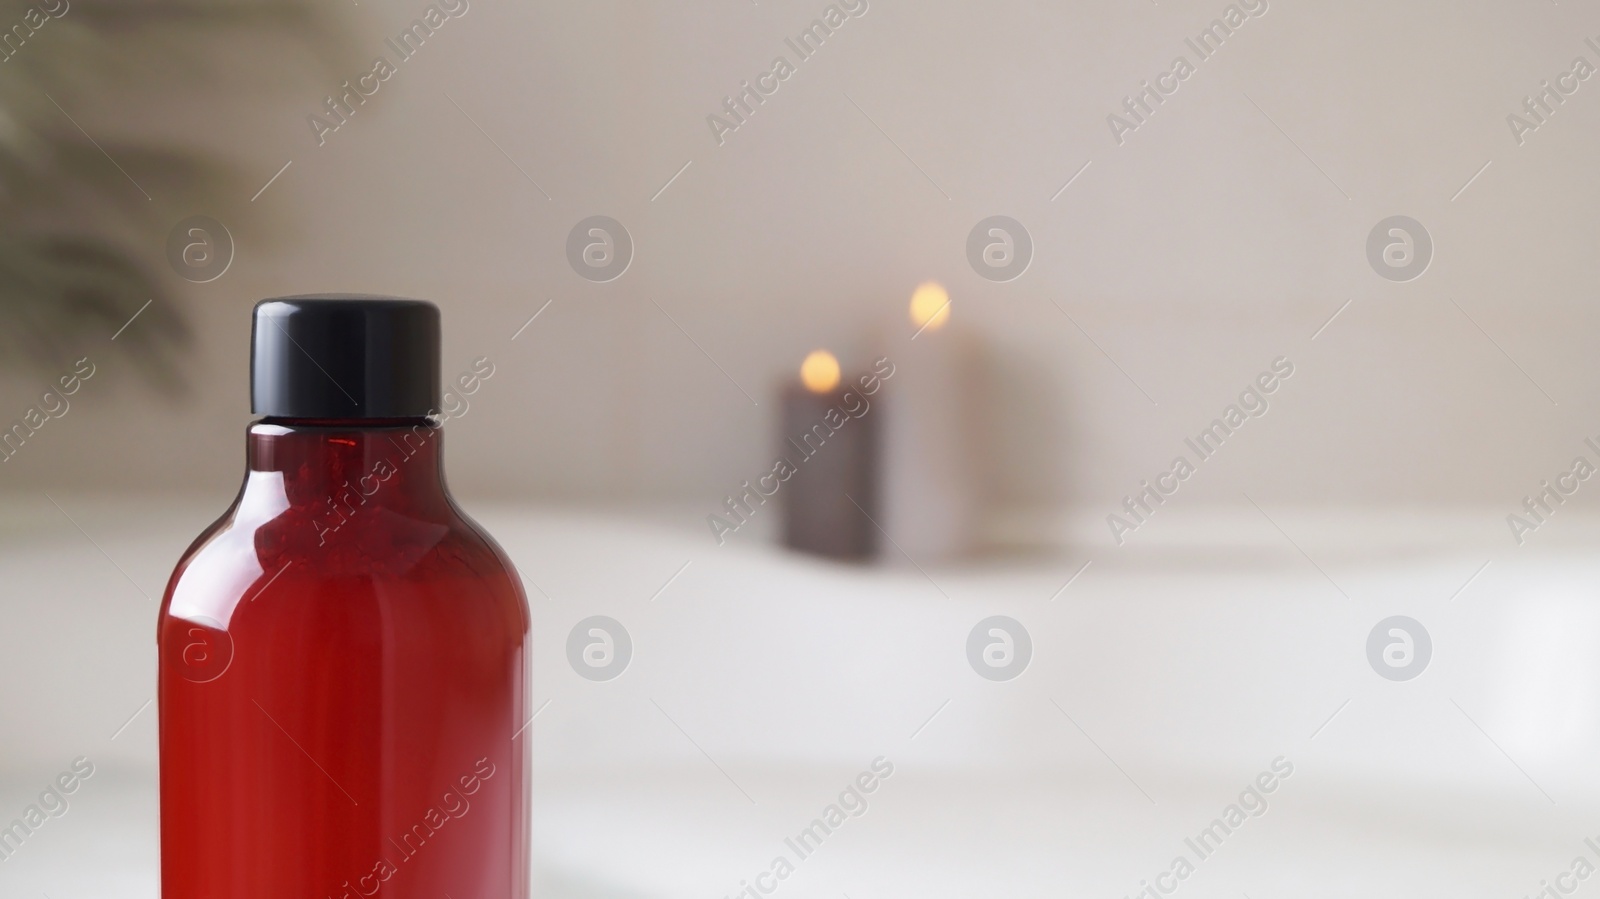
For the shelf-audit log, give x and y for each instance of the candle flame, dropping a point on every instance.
(820, 371)
(930, 306)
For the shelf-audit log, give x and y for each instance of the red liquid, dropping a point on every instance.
(342, 683)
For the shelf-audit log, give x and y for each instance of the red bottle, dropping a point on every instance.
(343, 654)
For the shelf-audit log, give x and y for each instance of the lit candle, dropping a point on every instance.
(930, 496)
(830, 437)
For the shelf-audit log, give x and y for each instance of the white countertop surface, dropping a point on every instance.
(1164, 679)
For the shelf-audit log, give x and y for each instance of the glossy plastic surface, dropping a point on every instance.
(342, 664)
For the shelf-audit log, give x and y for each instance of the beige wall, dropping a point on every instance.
(1206, 246)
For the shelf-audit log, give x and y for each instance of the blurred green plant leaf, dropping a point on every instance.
(80, 244)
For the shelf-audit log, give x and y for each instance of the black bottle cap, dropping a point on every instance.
(344, 356)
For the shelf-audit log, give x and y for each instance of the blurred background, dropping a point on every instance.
(1082, 236)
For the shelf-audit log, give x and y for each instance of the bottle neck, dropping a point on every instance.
(333, 469)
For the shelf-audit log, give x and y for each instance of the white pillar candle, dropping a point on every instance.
(930, 432)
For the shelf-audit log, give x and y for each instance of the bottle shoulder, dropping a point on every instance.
(380, 552)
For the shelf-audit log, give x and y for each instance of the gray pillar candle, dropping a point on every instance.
(829, 434)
